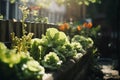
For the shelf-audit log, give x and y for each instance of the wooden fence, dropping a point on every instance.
(7, 27)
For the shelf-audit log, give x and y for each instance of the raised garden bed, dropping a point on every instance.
(72, 70)
(53, 57)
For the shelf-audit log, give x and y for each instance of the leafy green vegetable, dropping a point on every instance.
(77, 46)
(53, 41)
(2, 46)
(67, 50)
(32, 70)
(51, 61)
(57, 51)
(33, 66)
(78, 56)
(34, 50)
(9, 56)
(86, 42)
(2, 49)
(54, 38)
(50, 33)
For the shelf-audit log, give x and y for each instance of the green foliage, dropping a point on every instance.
(78, 47)
(86, 42)
(12, 1)
(36, 51)
(28, 57)
(46, 3)
(2, 46)
(41, 19)
(67, 50)
(51, 61)
(53, 41)
(33, 65)
(8, 56)
(79, 2)
(32, 70)
(87, 32)
(51, 33)
(25, 12)
(53, 38)
(93, 32)
(21, 44)
(23, 66)
(1, 17)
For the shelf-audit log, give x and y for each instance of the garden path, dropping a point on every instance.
(108, 67)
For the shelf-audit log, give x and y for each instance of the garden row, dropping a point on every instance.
(30, 58)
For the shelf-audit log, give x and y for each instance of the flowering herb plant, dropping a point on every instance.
(84, 28)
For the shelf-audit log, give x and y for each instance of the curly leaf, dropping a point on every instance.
(51, 32)
(34, 66)
(51, 61)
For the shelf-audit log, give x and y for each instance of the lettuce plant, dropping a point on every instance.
(32, 70)
(78, 47)
(9, 56)
(86, 42)
(19, 64)
(51, 61)
(53, 41)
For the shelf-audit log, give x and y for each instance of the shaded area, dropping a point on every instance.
(108, 67)
(107, 14)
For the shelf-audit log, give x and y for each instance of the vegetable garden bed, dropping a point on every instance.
(71, 70)
(54, 56)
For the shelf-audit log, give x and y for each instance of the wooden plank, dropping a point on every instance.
(18, 28)
(35, 30)
(28, 28)
(42, 28)
(3, 31)
(38, 30)
(10, 29)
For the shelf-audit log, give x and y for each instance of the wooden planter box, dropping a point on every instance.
(72, 70)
